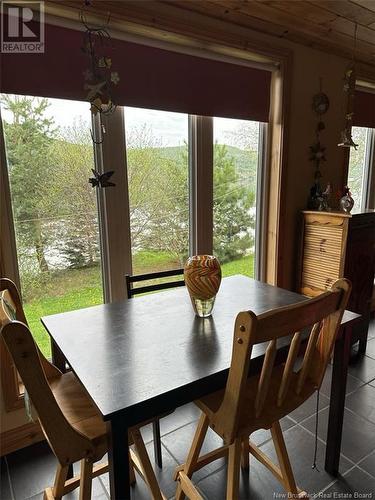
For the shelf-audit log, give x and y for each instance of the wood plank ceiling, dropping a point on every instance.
(327, 25)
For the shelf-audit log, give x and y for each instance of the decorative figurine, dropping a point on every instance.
(324, 199)
(346, 202)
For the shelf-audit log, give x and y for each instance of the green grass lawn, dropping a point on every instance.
(77, 288)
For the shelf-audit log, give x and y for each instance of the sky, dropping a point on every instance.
(170, 129)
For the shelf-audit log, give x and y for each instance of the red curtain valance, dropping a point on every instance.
(364, 109)
(149, 78)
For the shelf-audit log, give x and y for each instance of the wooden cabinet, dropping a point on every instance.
(336, 245)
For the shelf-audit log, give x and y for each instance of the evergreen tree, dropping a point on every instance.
(233, 200)
(28, 140)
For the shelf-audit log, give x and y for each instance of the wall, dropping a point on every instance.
(308, 66)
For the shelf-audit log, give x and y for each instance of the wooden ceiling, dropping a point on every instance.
(327, 25)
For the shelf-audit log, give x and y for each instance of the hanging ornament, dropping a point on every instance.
(320, 105)
(349, 89)
(101, 180)
(100, 79)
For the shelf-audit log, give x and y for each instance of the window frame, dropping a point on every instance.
(272, 210)
(368, 176)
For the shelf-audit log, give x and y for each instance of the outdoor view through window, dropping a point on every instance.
(158, 177)
(235, 181)
(358, 167)
(50, 154)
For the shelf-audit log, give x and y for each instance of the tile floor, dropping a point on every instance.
(24, 474)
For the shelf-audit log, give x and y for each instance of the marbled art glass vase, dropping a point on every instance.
(202, 275)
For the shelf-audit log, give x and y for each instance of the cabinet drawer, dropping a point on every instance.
(322, 262)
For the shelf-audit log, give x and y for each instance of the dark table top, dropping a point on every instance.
(152, 353)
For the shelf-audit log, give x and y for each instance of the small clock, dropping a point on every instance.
(320, 103)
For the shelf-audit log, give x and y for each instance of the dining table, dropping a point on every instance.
(143, 357)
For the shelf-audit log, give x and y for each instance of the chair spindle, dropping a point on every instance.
(308, 357)
(288, 370)
(265, 377)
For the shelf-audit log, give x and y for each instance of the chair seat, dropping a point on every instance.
(78, 409)
(271, 413)
(81, 412)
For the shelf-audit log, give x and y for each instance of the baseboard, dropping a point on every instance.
(20, 437)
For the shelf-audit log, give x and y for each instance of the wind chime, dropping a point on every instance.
(100, 80)
(318, 198)
(349, 89)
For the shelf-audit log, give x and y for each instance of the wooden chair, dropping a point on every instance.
(131, 292)
(72, 425)
(259, 402)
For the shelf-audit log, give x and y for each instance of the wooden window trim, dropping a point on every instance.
(12, 396)
(261, 204)
(113, 207)
(201, 184)
(276, 165)
(232, 43)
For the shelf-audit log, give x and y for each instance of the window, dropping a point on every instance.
(162, 163)
(50, 154)
(183, 183)
(360, 166)
(158, 184)
(234, 194)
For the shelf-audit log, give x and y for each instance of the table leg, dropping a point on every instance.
(118, 459)
(157, 442)
(58, 359)
(337, 401)
(363, 337)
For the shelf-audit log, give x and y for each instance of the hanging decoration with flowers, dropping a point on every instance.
(349, 89)
(100, 77)
(318, 198)
(100, 80)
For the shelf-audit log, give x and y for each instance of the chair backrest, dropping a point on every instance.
(322, 314)
(11, 309)
(66, 442)
(160, 275)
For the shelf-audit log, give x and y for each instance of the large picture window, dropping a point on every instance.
(158, 184)
(50, 155)
(168, 160)
(234, 194)
(360, 166)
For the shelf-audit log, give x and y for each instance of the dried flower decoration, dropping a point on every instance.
(317, 152)
(99, 78)
(99, 82)
(349, 89)
(320, 105)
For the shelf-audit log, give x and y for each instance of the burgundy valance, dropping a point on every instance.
(364, 109)
(149, 77)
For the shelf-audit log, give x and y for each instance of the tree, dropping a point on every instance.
(49, 167)
(72, 199)
(28, 139)
(158, 193)
(159, 198)
(356, 164)
(233, 200)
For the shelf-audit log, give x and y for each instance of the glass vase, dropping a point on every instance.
(202, 275)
